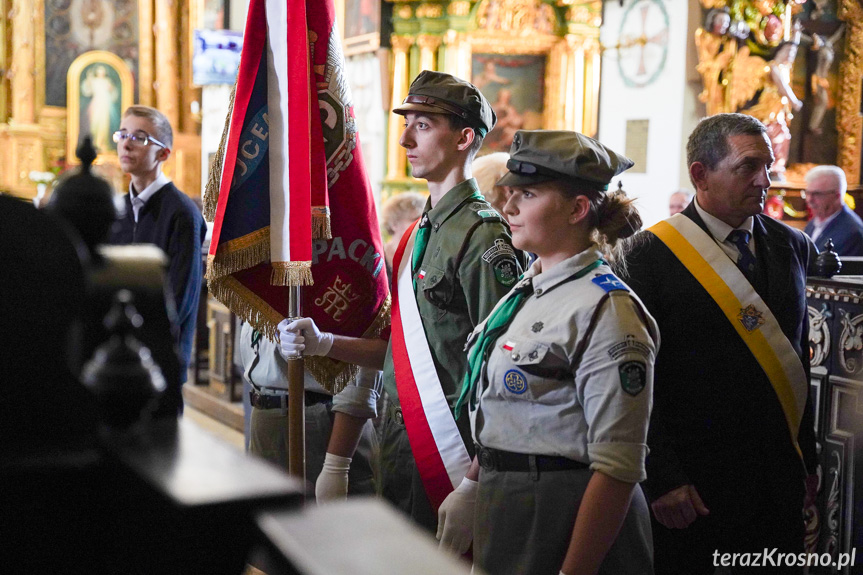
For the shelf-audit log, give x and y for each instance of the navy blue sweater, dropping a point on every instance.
(171, 221)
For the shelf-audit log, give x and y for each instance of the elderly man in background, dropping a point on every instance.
(832, 219)
(678, 201)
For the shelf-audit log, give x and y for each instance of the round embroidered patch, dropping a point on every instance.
(515, 382)
(505, 271)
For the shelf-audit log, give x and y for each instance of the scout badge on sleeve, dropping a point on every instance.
(501, 256)
(633, 375)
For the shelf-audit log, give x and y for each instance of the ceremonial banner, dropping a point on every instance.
(288, 192)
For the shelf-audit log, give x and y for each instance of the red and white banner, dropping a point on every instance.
(438, 449)
(291, 202)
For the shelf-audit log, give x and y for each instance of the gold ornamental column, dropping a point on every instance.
(849, 123)
(592, 59)
(457, 55)
(573, 84)
(146, 56)
(167, 76)
(396, 158)
(429, 46)
(23, 71)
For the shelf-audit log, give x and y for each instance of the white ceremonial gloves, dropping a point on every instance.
(455, 518)
(302, 335)
(332, 483)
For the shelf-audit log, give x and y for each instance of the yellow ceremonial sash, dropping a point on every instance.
(743, 307)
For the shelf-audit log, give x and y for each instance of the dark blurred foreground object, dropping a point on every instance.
(122, 374)
(828, 264)
(85, 201)
(160, 497)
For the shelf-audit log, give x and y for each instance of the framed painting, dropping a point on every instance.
(99, 87)
(362, 26)
(515, 85)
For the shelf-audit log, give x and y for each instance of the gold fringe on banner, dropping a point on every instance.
(214, 179)
(246, 305)
(321, 229)
(240, 254)
(291, 274)
(334, 375)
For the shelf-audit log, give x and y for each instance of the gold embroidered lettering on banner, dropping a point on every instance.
(337, 299)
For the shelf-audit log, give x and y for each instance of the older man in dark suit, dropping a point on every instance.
(832, 219)
(732, 447)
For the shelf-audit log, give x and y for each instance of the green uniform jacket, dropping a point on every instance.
(468, 265)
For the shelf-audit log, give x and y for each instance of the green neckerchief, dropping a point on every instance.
(495, 325)
(423, 233)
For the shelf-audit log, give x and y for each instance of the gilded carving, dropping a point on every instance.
(746, 51)
(429, 11)
(584, 13)
(429, 42)
(404, 12)
(401, 43)
(709, 4)
(849, 123)
(520, 16)
(458, 8)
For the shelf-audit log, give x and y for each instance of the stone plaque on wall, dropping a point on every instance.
(636, 144)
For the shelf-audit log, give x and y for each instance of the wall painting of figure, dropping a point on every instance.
(99, 88)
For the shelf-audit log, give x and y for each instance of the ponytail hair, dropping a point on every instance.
(613, 217)
(616, 217)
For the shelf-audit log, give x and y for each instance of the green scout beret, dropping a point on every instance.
(440, 93)
(544, 155)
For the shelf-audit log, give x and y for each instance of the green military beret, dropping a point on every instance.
(544, 155)
(440, 93)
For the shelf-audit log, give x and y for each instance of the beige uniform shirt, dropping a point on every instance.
(572, 375)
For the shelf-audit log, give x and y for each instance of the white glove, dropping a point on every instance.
(332, 483)
(303, 335)
(455, 518)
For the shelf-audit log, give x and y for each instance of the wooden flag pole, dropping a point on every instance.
(296, 398)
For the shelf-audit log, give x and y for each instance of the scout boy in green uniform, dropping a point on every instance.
(461, 263)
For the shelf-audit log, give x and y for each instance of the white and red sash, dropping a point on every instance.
(440, 453)
(750, 316)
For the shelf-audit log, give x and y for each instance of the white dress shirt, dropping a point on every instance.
(720, 230)
(140, 200)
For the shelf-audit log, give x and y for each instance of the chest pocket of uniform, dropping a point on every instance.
(438, 288)
(535, 358)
